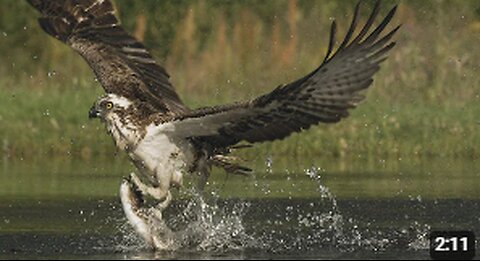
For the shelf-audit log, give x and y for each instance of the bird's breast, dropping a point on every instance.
(160, 149)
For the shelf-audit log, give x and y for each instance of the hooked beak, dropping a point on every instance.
(93, 113)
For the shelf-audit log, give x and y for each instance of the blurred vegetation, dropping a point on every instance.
(425, 101)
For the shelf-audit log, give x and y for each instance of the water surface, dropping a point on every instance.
(330, 209)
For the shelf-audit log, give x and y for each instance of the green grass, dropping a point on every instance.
(54, 122)
(50, 123)
(424, 103)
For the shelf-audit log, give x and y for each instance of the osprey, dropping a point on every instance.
(164, 138)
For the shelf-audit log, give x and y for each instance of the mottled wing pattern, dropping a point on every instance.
(325, 95)
(121, 63)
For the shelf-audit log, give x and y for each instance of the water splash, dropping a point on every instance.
(321, 224)
(214, 228)
(197, 225)
(419, 236)
(215, 225)
(318, 224)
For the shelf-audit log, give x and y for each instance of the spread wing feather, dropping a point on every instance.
(121, 63)
(325, 95)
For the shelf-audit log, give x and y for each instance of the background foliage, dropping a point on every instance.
(424, 101)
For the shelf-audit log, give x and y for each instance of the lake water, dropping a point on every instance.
(330, 209)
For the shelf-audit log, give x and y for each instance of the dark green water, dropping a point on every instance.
(329, 209)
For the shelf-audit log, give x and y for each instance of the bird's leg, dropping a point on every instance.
(157, 192)
(166, 202)
(160, 192)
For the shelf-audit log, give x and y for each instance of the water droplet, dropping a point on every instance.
(269, 164)
(51, 74)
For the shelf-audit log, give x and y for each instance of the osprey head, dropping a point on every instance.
(107, 105)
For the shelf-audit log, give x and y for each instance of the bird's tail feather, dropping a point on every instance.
(228, 164)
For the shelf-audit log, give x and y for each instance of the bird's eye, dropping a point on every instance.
(109, 105)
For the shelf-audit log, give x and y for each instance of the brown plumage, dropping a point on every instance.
(121, 63)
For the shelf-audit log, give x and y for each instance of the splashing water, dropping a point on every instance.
(307, 227)
(212, 224)
(216, 228)
(197, 225)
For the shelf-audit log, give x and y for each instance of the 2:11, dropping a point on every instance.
(443, 243)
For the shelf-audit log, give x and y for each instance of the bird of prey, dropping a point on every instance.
(164, 138)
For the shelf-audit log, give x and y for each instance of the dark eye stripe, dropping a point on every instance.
(106, 104)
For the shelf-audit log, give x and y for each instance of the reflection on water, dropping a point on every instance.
(332, 210)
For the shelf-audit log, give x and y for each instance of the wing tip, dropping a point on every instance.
(331, 42)
(61, 19)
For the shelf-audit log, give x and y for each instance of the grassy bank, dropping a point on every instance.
(425, 101)
(54, 122)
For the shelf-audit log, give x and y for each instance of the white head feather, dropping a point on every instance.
(118, 100)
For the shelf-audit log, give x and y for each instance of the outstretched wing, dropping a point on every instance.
(121, 63)
(324, 95)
